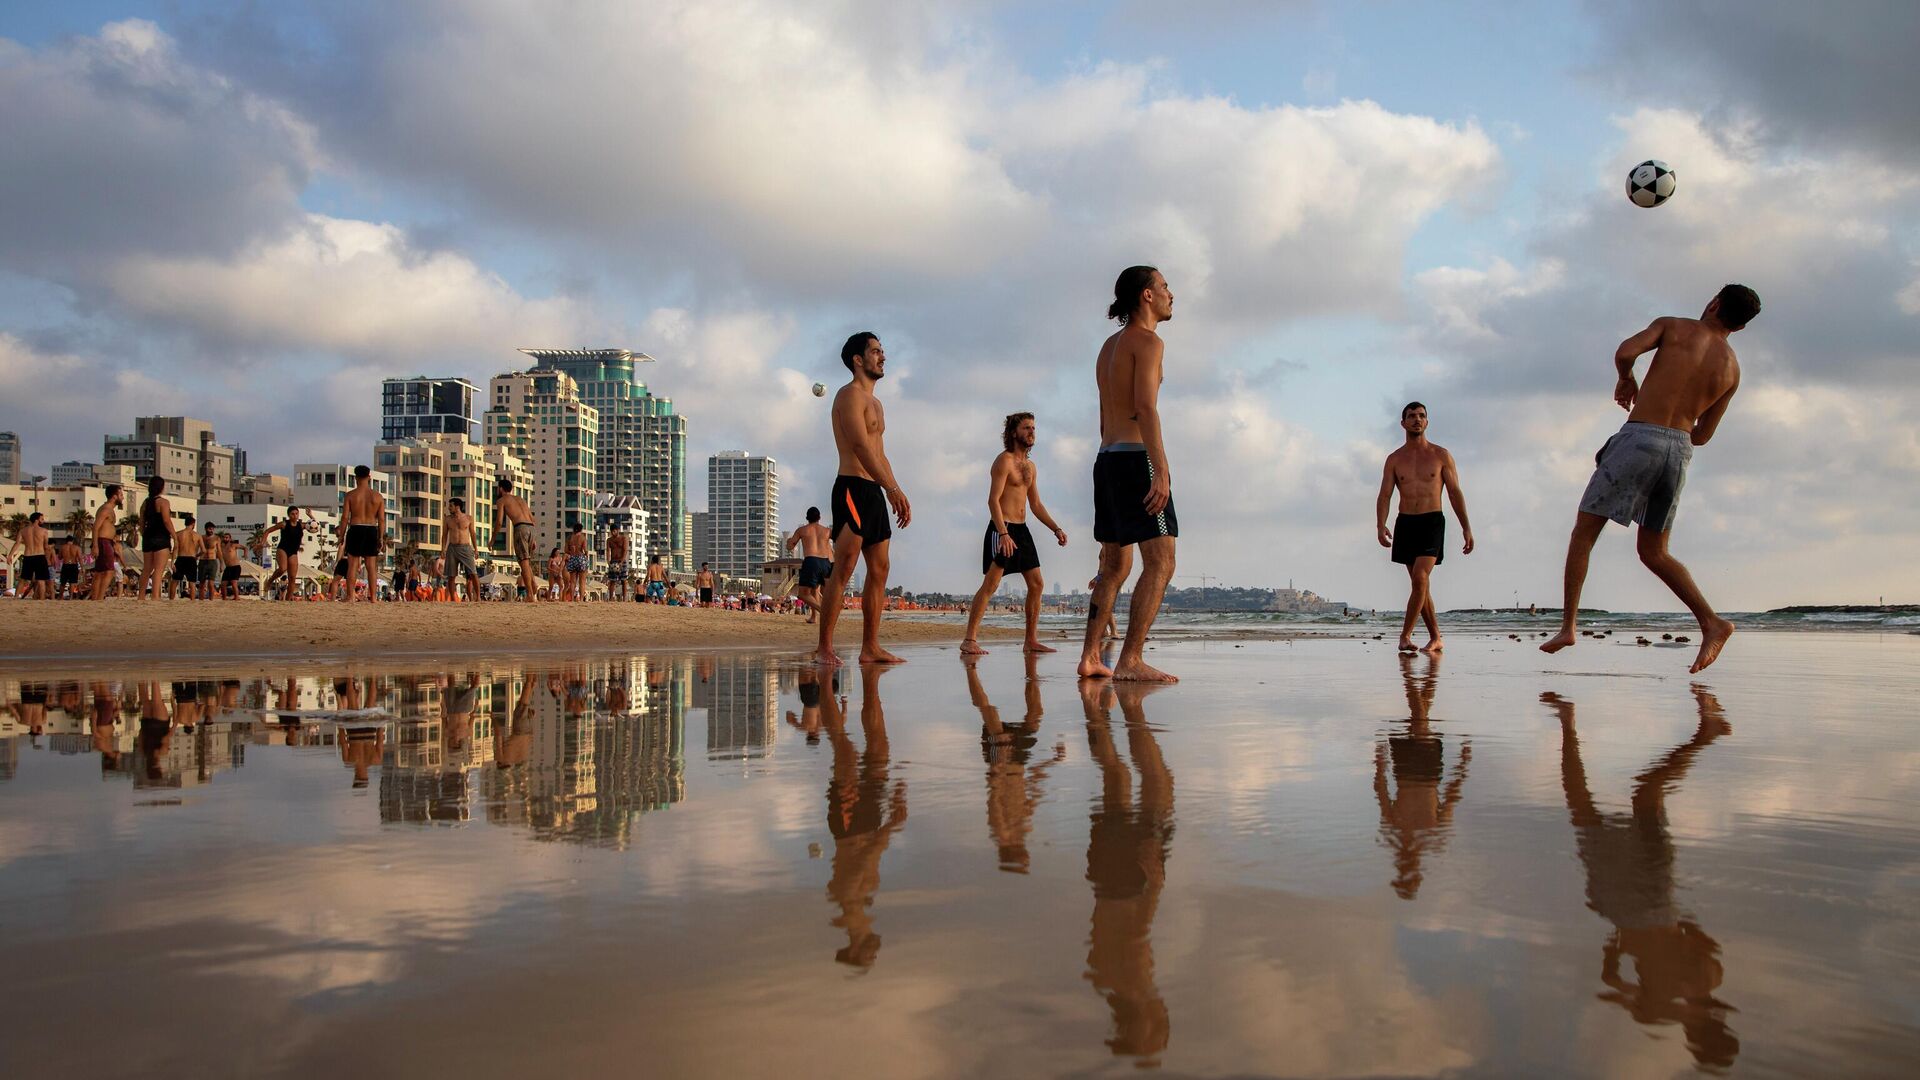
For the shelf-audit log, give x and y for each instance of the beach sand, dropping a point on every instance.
(127, 629)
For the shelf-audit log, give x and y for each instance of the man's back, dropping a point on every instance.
(364, 506)
(814, 540)
(1693, 369)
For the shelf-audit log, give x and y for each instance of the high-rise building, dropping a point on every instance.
(642, 450)
(702, 538)
(539, 416)
(325, 487)
(9, 458)
(423, 406)
(431, 470)
(182, 451)
(743, 511)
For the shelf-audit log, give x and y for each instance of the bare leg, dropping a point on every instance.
(1434, 643)
(1116, 562)
(833, 595)
(970, 644)
(1156, 569)
(1586, 530)
(873, 604)
(1714, 630)
(1036, 588)
(1417, 574)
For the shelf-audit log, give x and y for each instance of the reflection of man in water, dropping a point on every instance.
(1629, 863)
(106, 721)
(1415, 816)
(808, 719)
(361, 749)
(1127, 847)
(863, 813)
(513, 741)
(1012, 791)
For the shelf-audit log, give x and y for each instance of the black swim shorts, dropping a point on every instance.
(186, 568)
(861, 505)
(232, 573)
(1121, 476)
(34, 568)
(1025, 557)
(70, 573)
(363, 541)
(1417, 535)
(814, 571)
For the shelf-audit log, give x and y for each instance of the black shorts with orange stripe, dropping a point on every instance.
(861, 505)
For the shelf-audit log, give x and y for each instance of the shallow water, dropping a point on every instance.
(1310, 858)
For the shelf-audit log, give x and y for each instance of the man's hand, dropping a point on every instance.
(1061, 535)
(1467, 548)
(1626, 391)
(1159, 493)
(902, 510)
(1006, 546)
(1384, 536)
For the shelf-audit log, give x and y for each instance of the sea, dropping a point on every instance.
(1202, 624)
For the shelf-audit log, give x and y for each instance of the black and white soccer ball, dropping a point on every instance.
(1651, 183)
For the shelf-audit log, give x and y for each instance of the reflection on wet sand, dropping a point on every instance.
(1629, 864)
(1415, 813)
(863, 813)
(1128, 841)
(1013, 790)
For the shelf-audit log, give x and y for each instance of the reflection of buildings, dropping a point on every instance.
(741, 696)
(1629, 863)
(189, 758)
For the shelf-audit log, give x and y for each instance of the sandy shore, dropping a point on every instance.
(129, 629)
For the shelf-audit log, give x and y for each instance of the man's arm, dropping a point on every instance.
(1450, 476)
(995, 490)
(1040, 511)
(792, 539)
(1146, 403)
(1627, 389)
(1382, 502)
(848, 418)
(1709, 421)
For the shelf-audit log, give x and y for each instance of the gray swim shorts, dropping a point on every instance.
(460, 561)
(1638, 475)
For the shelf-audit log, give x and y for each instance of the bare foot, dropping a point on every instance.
(1138, 671)
(828, 658)
(970, 647)
(1434, 646)
(878, 655)
(1034, 646)
(1406, 645)
(1559, 641)
(1091, 668)
(1713, 638)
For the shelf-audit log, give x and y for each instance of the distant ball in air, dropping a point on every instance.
(819, 389)
(1651, 183)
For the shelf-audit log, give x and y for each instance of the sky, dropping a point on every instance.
(254, 213)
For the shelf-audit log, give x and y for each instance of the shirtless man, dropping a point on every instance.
(656, 581)
(1419, 470)
(1641, 469)
(209, 562)
(186, 559)
(816, 560)
(617, 548)
(462, 565)
(513, 525)
(862, 494)
(704, 582)
(36, 574)
(577, 561)
(366, 519)
(106, 541)
(230, 572)
(1009, 545)
(69, 569)
(1132, 483)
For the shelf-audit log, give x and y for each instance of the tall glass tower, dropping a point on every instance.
(642, 450)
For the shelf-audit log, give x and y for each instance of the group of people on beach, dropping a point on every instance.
(1637, 480)
(183, 563)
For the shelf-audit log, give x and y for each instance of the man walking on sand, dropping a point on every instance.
(617, 547)
(1420, 471)
(862, 494)
(816, 560)
(1014, 485)
(36, 573)
(513, 523)
(106, 542)
(462, 560)
(366, 519)
(1132, 483)
(1640, 471)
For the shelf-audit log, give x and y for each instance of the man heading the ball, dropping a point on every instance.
(1640, 471)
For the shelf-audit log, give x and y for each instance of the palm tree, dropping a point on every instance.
(129, 529)
(16, 523)
(79, 523)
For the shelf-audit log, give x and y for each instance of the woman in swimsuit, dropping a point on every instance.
(286, 554)
(156, 537)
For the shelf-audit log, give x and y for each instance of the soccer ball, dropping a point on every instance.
(1651, 183)
(819, 389)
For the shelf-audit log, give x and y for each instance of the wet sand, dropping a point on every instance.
(126, 629)
(1308, 858)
